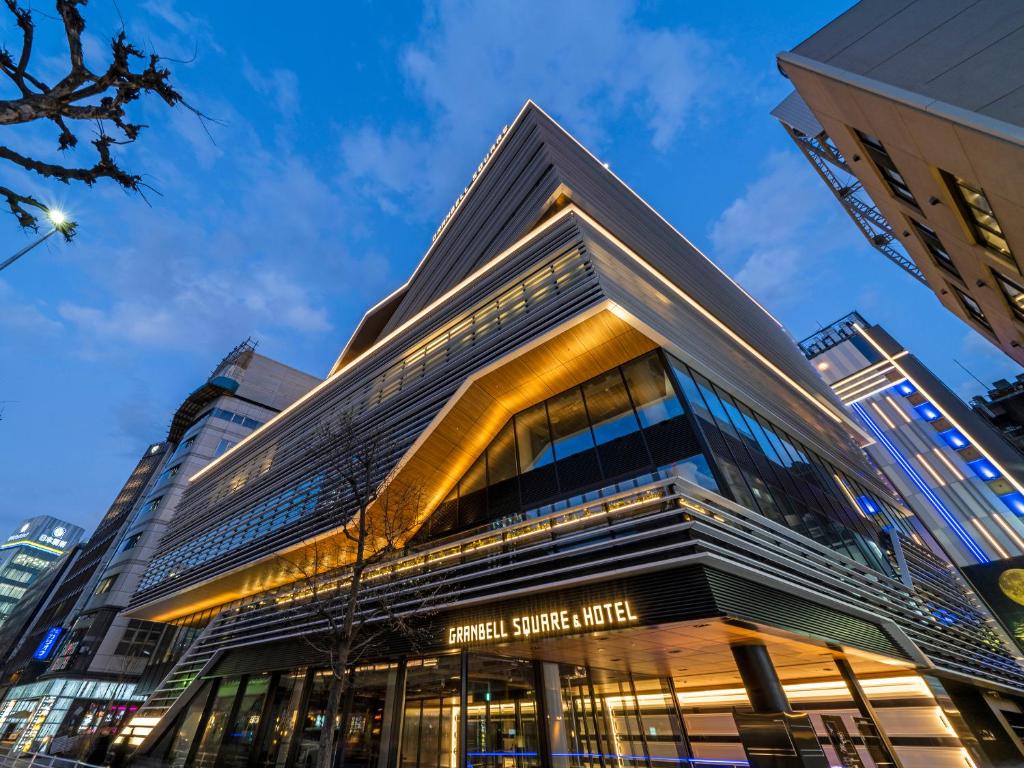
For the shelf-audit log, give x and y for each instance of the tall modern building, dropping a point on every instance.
(78, 667)
(28, 553)
(911, 113)
(945, 458)
(652, 533)
(963, 479)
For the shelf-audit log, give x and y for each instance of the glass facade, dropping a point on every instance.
(656, 417)
(623, 424)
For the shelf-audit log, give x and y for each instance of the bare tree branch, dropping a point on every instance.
(82, 94)
(344, 579)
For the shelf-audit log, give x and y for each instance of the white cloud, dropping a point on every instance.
(774, 237)
(585, 62)
(24, 318)
(280, 85)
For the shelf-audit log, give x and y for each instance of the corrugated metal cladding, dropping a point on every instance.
(536, 159)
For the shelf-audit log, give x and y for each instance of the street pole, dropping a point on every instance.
(25, 250)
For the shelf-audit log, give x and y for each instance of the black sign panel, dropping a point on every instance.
(1001, 585)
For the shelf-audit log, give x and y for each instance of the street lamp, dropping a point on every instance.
(60, 222)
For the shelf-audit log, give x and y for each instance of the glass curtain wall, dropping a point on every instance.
(767, 470)
(625, 423)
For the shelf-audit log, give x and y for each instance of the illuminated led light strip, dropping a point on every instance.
(929, 468)
(863, 371)
(849, 495)
(34, 545)
(1012, 534)
(949, 464)
(896, 407)
(1013, 481)
(709, 316)
(475, 276)
(922, 486)
(880, 412)
(859, 380)
(990, 538)
(870, 388)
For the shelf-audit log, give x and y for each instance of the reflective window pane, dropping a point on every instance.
(534, 438)
(569, 426)
(611, 413)
(651, 389)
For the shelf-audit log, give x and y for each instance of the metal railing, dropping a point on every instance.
(39, 760)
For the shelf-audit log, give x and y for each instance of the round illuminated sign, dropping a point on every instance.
(59, 531)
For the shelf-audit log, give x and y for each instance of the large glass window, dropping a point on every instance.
(238, 740)
(615, 427)
(611, 413)
(769, 471)
(216, 723)
(534, 438)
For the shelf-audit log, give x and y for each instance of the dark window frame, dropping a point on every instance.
(1003, 281)
(956, 186)
(929, 238)
(886, 168)
(975, 312)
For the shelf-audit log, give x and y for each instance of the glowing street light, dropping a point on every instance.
(60, 222)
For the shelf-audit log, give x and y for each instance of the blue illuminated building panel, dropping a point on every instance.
(954, 438)
(904, 388)
(947, 516)
(984, 469)
(49, 641)
(1015, 501)
(927, 411)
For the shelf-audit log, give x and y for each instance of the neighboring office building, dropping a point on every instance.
(42, 591)
(958, 474)
(910, 111)
(88, 679)
(595, 415)
(28, 553)
(1003, 408)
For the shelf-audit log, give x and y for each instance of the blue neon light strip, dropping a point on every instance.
(598, 756)
(922, 486)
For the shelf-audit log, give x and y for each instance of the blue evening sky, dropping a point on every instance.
(345, 130)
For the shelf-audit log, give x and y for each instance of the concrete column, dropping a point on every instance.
(394, 714)
(760, 678)
(550, 700)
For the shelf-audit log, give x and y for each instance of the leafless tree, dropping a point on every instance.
(346, 580)
(80, 95)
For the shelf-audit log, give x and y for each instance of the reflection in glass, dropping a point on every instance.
(611, 413)
(569, 426)
(534, 438)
